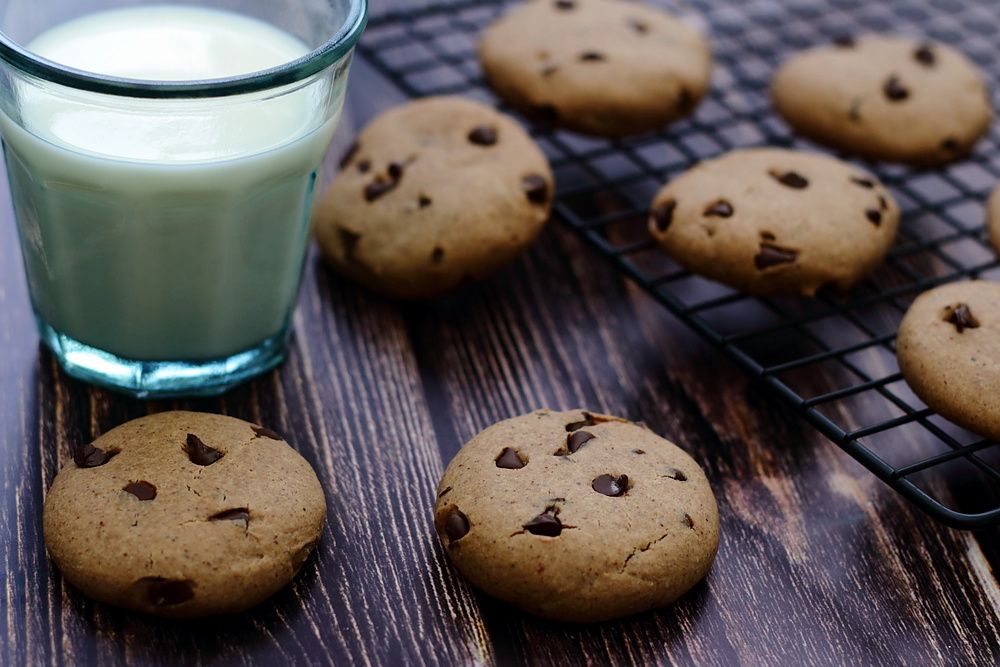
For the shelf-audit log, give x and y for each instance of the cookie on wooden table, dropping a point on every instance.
(949, 353)
(433, 194)
(577, 516)
(603, 67)
(886, 98)
(184, 514)
(775, 221)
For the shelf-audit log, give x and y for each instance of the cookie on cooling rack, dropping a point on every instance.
(577, 516)
(774, 221)
(949, 353)
(886, 98)
(603, 67)
(183, 514)
(433, 194)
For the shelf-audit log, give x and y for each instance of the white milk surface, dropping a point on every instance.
(166, 229)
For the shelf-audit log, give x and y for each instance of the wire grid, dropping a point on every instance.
(794, 345)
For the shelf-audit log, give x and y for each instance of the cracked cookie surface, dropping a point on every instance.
(885, 98)
(598, 66)
(775, 221)
(433, 194)
(949, 353)
(577, 516)
(183, 514)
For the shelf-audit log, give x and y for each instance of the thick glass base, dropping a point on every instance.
(163, 379)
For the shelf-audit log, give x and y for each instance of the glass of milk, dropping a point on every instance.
(162, 162)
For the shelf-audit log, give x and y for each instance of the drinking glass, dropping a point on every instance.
(164, 224)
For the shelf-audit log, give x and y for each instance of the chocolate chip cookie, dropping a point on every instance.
(183, 514)
(949, 353)
(433, 194)
(577, 516)
(598, 66)
(886, 98)
(773, 221)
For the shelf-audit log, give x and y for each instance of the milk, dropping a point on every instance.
(167, 229)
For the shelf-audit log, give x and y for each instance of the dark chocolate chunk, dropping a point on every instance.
(438, 255)
(235, 514)
(200, 453)
(510, 459)
(395, 170)
(641, 27)
(863, 182)
(961, 316)
(772, 255)
(638, 451)
(456, 525)
(663, 215)
(883, 203)
(894, 90)
(720, 209)
(424, 201)
(875, 217)
(350, 154)
(141, 490)
(591, 56)
(576, 440)
(161, 592)
(364, 166)
(535, 188)
(565, 4)
(379, 187)
(790, 179)
(688, 521)
(925, 55)
(610, 485)
(674, 473)
(266, 433)
(588, 420)
(843, 41)
(546, 524)
(88, 456)
(484, 135)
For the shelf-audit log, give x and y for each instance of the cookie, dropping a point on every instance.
(886, 98)
(183, 514)
(577, 516)
(773, 221)
(433, 194)
(949, 353)
(602, 67)
(993, 218)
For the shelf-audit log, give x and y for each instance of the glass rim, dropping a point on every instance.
(317, 60)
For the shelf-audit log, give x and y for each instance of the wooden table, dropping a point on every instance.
(819, 563)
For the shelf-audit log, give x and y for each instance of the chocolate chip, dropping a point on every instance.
(536, 188)
(772, 255)
(925, 55)
(379, 187)
(546, 524)
(574, 441)
(720, 209)
(549, 70)
(588, 420)
(141, 490)
(638, 451)
(565, 4)
(662, 215)
(510, 459)
(395, 170)
(200, 453)
(445, 492)
(350, 154)
(262, 432)
(688, 521)
(894, 90)
(950, 144)
(674, 473)
(640, 27)
(364, 166)
(88, 456)
(591, 56)
(610, 485)
(484, 135)
(424, 201)
(790, 179)
(883, 203)
(161, 592)
(456, 525)
(874, 217)
(438, 255)
(844, 41)
(961, 316)
(235, 514)
(863, 182)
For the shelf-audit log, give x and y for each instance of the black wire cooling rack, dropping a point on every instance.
(605, 187)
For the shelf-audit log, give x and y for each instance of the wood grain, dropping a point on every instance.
(819, 564)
